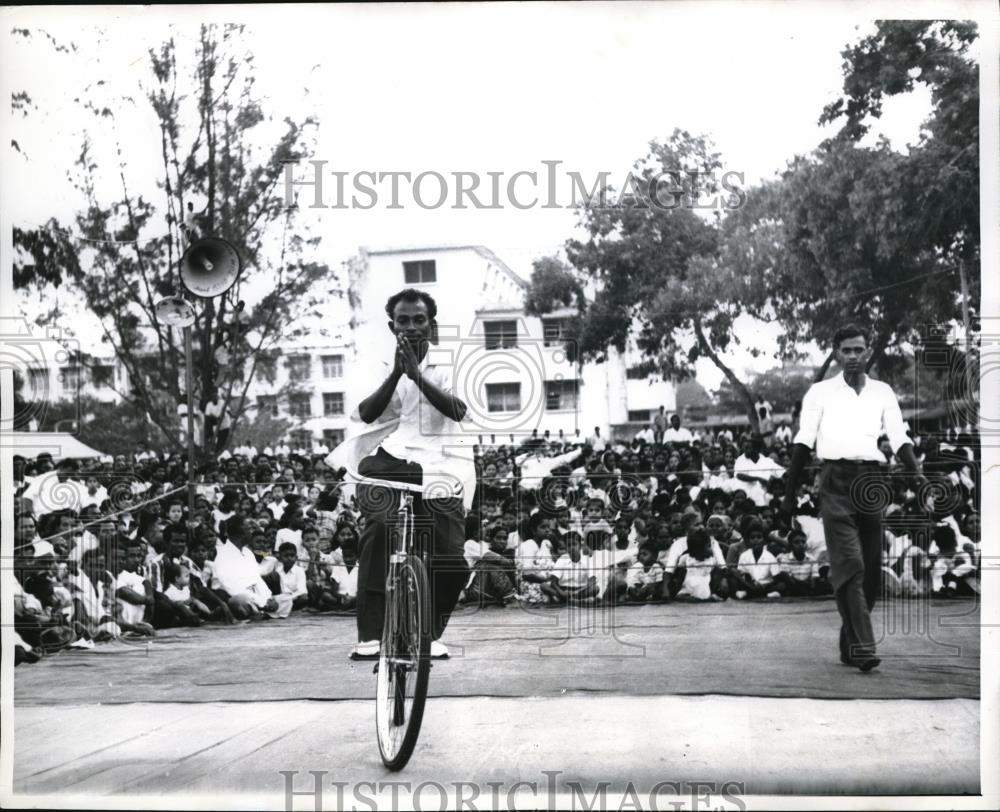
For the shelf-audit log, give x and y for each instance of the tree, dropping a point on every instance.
(659, 268)
(111, 428)
(850, 253)
(220, 168)
(553, 285)
(781, 387)
(940, 175)
(263, 431)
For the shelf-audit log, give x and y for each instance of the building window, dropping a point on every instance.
(500, 335)
(266, 368)
(301, 440)
(422, 272)
(561, 395)
(298, 367)
(333, 366)
(333, 403)
(298, 406)
(70, 378)
(554, 332)
(333, 437)
(102, 375)
(39, 381)
(267, 404)
(503, 397)
(639, 415)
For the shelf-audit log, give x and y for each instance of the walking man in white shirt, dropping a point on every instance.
(844, 417)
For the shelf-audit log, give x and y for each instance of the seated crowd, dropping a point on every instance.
(106, 547)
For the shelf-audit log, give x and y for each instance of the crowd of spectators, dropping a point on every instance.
(106, 547)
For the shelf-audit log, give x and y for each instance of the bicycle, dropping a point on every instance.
(404, 662)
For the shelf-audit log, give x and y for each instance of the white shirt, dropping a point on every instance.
(764, 467)
(678, 556)
(803, 570)
(97, 498)
(293, 581)
(347, 582)
(293, 536)
(646, 435)
(763, 570)
(681, 435)
(534, 468)
(638, 575)
(131, 612)
(529, 549)
(412, 429)
(178, 594)
(237, 572)
(844, 424)
(572, 574)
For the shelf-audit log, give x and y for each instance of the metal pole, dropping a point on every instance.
(188, 366)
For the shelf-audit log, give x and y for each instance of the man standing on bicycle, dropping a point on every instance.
(416, 415)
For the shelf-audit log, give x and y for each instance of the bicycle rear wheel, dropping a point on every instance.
(404, 662)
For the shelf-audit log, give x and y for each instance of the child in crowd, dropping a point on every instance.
(289, 578)
(535, 561)
(800, 570)
(756, 569)
(953, 569)
(644, 579)
(571, 580)
(699, 571)
(133, 592)
(344, 577)
(177, 577)
(494, 573)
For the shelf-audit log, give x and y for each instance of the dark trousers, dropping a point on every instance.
(851, 505)
(439, 529)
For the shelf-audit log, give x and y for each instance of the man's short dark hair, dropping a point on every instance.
(411, 295)
(851, 330)
(172, 531)
(287, 547)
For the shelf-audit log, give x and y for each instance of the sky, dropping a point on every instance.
(449, 88)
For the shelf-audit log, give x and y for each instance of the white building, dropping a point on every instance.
(309, 387)
(514, 372)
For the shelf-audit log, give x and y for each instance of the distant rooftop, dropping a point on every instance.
(482, 250)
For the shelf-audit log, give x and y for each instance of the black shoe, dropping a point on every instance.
(868, 664)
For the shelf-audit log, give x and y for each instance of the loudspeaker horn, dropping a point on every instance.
(210, 267)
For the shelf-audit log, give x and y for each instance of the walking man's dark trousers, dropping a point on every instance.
(851, 508)
(439, 523)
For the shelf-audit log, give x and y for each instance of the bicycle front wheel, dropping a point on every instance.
(404, 662)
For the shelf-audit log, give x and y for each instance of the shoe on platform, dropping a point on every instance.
(439, 651)
(741, 595)
(774, 594)
(868, 664)
(366, 650)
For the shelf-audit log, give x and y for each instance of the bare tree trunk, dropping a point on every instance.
(821, 372)
(738, 385)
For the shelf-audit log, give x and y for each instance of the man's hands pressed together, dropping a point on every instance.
(406, 359)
